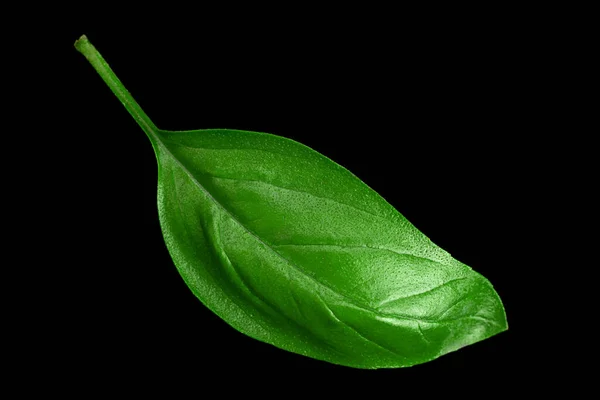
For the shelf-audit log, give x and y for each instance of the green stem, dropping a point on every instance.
(84, 46)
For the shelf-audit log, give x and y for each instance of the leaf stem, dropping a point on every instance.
(84, 46)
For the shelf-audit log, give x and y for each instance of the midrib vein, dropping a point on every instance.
(350, 300)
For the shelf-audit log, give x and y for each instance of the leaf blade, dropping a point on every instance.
(278, 303)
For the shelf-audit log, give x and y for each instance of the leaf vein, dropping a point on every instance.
(355, 246)
(423, 334)
(394, 352)
(392, 299)
(185, 227)
(303, 192)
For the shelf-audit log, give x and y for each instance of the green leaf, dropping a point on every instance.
(292, 249)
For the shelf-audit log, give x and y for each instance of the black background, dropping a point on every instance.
(434, 115)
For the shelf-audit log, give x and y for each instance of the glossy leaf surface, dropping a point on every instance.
(292, 249)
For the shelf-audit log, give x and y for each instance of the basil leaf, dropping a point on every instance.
(292, 249)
